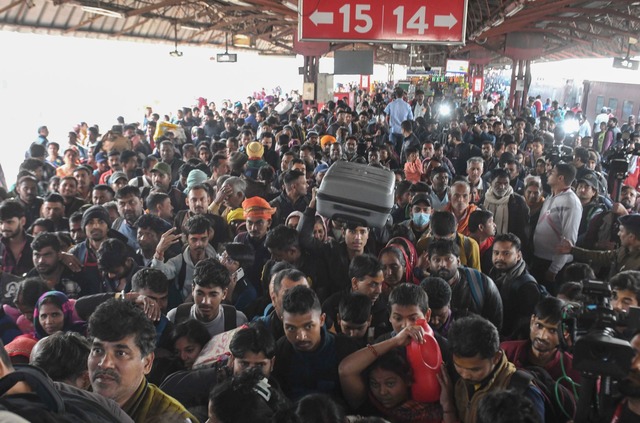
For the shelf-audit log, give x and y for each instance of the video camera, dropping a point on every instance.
(558, 153)
(592, 326)
(616, 161)
(598, 352)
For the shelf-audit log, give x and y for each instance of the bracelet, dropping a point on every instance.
(373, 350)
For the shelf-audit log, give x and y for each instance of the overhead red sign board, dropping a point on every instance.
(383, 21)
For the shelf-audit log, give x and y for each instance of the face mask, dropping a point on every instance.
(337, 234)
(421, 219)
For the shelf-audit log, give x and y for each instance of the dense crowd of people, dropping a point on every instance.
(176, 269)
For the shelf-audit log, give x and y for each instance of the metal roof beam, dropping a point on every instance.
(152, 7)
(11, 5)
(81, 24)
(138, 23)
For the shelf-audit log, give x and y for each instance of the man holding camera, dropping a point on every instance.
(628, 410)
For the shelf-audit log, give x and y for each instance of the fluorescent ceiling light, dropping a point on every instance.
(291, 6)
(102, 11)
(515, 9)
(189, 28)
(239, 3)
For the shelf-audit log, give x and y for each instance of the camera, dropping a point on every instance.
(593, 325)
(616, 161)
(558, 153)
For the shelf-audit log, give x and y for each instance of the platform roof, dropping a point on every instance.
(566, 28)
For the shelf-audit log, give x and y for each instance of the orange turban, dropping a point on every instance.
(327, 139)
(258, 208)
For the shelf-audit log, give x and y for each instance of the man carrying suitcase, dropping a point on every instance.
(339, 254)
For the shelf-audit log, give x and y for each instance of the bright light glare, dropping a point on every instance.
(571, 126)
(444, 110)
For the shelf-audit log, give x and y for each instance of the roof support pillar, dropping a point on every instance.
(310, 73)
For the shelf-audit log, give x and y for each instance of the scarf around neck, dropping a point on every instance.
(500, 209)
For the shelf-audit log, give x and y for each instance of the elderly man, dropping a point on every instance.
(510, 211)
(231, 194)
(122, 353)
(475, 169)
(460, 206)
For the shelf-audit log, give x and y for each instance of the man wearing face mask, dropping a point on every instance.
(420, 215)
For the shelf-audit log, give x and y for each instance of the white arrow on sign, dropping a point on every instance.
(318, 17)
(445, 20)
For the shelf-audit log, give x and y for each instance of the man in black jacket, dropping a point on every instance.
(518, 289)
(472, 291)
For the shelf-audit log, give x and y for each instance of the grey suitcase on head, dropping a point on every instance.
(356, 193)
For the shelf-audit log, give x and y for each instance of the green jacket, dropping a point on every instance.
(150, 404)
(619, 259)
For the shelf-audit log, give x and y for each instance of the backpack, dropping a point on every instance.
(46, 404)
(542, 290)
(554, 403)
(476, 287)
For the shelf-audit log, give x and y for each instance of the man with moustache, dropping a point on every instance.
(15, 244)
(258, 214)
(130, 209)
(48, 265)
(472, 291)
(198, 200)
(542, 349)
(122, 354)
(518, 289)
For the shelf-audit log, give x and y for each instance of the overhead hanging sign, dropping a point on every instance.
(383, 21)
